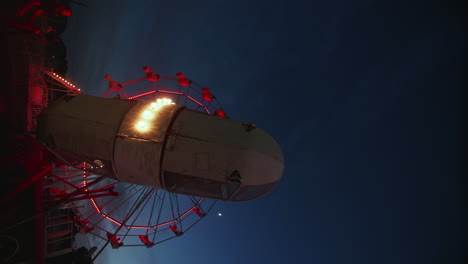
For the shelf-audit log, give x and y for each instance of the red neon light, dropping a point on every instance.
(23, 26)
(66, 12)
(146, 241)
(183, 80)
(141, 95)
(169, 92)
(82, 224)
(114, 240)
(150, 75)
(111, 219)
(174, 229)
(142, 227)
(207, 94)
(55, 191)
(139, 227)
(221, 113)
(113, 85)
(191, 98)
(198, 212)
(133, 81)
(180, 75)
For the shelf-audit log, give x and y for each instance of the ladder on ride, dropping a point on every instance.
(59, 232)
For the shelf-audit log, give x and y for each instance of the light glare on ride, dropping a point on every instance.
(164, 101)
(160, 103)
(154, 106)
(147, 114)
(142, 126)
(143, 123)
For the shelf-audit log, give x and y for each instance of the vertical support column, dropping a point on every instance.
(33, 163)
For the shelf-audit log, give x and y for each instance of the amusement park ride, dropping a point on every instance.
(139, 165)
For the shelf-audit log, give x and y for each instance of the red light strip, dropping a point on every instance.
(171, 221)
(141, 95)
(139, 227)
(134, 81)
(152, 92)
(143, 227)
(169, 92)
(189, 97)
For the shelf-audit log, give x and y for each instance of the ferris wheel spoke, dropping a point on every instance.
(159, 217)
(120, 203)
(178, 212)
(186, 94)
(138, 202)
(99, 208)
(107, 214)
(135, 206)
(152, 210)
(197, 204)
(172, 206)
(95, 180)
(178, 96)
(194, 200)
(146, 199)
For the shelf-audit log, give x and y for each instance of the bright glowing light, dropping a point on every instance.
(154, 106)
(142, 126)
(164, 101)
(147, 114)
(159, 103)
(220, 214)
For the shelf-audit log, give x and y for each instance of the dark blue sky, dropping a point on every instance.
(364, 98)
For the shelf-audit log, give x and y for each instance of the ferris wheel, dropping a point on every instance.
(123, 214)
(143, 163)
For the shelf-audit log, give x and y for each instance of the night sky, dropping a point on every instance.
(364, 97)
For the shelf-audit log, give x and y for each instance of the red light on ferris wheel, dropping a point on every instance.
(207, 94)
(183, 80)
(220, 113)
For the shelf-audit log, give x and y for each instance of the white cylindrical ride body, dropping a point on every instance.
(164, 146)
